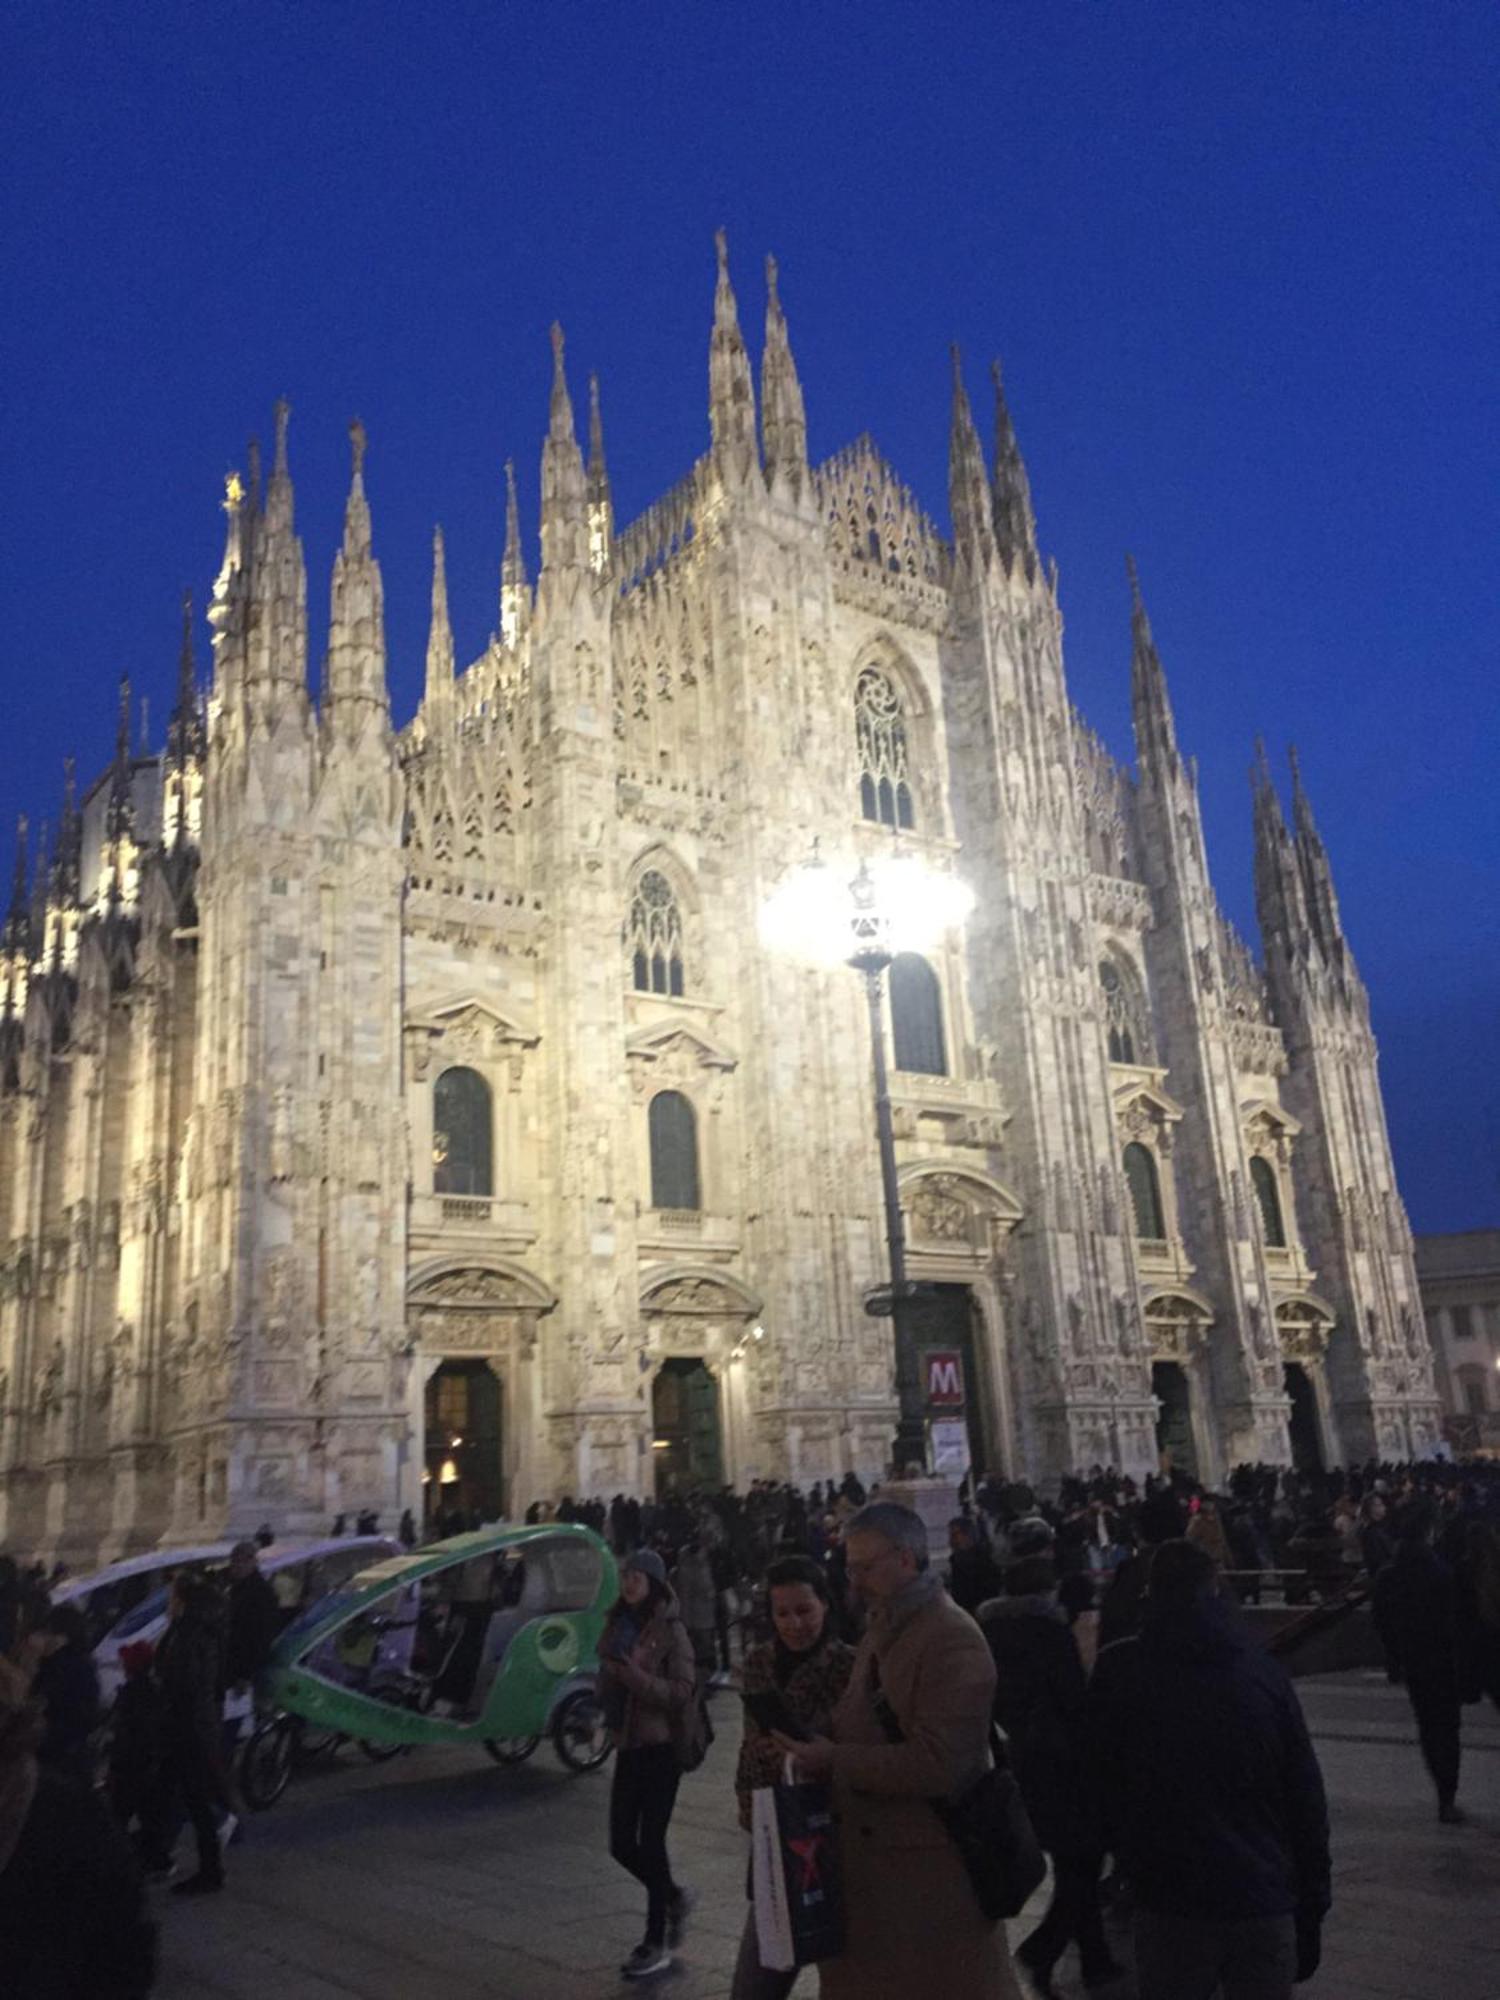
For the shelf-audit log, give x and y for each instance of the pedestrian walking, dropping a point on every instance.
(802, 1670)
(1416, 1615)
(693, 1581)
(649, 1684)
(189, 1671)
(1040, 1702)
(973, 1573)
(67, 1686)
(913, 1727)
(1213, 1800)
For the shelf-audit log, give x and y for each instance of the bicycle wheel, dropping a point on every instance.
(580, 1734)
(266, 1764)
(313, 1743)
(511, 1749)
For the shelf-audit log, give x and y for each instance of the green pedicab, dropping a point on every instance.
(488, 1637)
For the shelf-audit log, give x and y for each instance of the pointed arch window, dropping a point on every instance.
(1144, 1182)
(917, 1016)
(1126, 1021)
(674, 1152)
(1268, 1200)
(880, 735)
(653, 936)
(462, 1134)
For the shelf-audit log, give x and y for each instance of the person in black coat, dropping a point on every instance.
(1040, 1697)
(1212, 1794)
(67, 1686)
(973, 1573)
(1416, 1615)
(190, 1673)
(73, 1921)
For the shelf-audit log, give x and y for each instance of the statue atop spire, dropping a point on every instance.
(1015, 519)
(354, 675)
(1155, 729)
(17, 932)
(731, 393)
(515, 591)
(564, 497)
(275, 629)
(968, 489)
(783, 416)
(600, 505)
(438, 693)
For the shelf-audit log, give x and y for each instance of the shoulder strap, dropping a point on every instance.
(885, 1715)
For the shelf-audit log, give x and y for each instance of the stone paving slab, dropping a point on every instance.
(442, 1875)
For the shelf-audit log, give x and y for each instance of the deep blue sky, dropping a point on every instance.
(1241, 262)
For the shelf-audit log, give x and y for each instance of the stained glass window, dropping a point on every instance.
(653, 936)
(880, 735)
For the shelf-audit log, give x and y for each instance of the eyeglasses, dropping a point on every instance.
(864, 1567)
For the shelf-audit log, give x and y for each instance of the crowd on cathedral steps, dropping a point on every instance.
(1156, 1745)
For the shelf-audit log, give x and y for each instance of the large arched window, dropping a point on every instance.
(653, 935)
(1268, 1198)
(1145, 1192)
(674, 1152)
(917, 1016)
(462, 1146)
(880, 734)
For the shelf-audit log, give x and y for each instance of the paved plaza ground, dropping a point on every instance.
(441, 1875)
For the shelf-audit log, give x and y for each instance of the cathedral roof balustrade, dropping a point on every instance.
(1124, 904)
(668, 526)
(886, 552)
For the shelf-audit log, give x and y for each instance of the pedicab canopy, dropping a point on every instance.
(475, 1637)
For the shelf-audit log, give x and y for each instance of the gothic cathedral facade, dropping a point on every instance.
(392, 1113)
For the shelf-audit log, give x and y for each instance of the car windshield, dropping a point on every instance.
(337, 1604)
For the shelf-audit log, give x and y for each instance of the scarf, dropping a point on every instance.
(784, 1662)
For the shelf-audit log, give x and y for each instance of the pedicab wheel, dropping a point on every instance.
(511, 1749)
(381, 1753)
(266, 1763)
(580, 1734)
(312, 1743)
(398, 1695)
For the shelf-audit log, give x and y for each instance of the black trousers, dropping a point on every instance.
(1072, 1915)
(1438, 1715)
(640, 1811)
(194, 1785)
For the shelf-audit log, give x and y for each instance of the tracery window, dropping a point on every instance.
(462, 1143)
(880, 734)
(1268, 1200)
(653, 935)
(1144, 1182)
(674, 1152)
(1126, 1025)
(917, 1016)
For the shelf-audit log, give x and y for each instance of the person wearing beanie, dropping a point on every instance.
(647, 1683)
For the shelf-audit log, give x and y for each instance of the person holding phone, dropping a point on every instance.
(791, 1684)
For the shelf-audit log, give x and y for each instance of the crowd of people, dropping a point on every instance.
(1100, 1628)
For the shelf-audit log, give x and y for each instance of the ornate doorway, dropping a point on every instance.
(1175, 1443)
(686, 1444)
(463, 1470)
(1306, 1431)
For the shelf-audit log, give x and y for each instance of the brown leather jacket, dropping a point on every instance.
(660, 1678)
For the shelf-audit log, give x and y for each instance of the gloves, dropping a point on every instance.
(1309, 1944)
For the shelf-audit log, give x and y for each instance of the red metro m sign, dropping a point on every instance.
(943, 1368)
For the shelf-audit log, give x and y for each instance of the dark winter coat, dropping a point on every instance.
(67, 1686)
(73, 1919)
(1212, 1795)
(254, 1621)
(1040, 1703)
(1416, 1616)
(659, 1677)
(811, 1684)
(190, 1673)
(973, 1577)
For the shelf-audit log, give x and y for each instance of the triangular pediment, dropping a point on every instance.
(1266, 1111)
(471, 1013)
(1150, 1097)
(657, 1039)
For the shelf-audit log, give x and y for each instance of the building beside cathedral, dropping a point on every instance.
(401, 1113)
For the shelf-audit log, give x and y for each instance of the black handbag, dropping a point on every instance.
(987, 1822)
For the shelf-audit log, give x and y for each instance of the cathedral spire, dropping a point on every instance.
(438, 694)
(731, 393)
(600, 506)
(783, 416)
(354, 676)
(968, 489)
(564, 493)
(1280, 905)
(277, 623)
(1015, 519)
(515, 591)
(119, 816)
(1155, 730)
(17, 933)
(67, 852)
(1316, 870)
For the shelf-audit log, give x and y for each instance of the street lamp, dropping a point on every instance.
(893, 904)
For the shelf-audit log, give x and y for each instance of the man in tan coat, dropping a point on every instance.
(914, 1925)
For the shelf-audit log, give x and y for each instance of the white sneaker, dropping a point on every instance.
(228, 1827)
(647, 1961)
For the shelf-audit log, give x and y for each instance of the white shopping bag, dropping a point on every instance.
(773, 1917)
